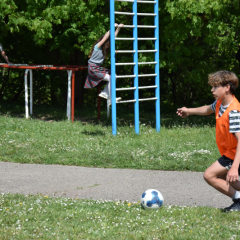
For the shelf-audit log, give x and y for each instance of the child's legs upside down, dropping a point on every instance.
(215, 176)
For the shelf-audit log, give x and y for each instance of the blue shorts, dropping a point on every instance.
(227, 163)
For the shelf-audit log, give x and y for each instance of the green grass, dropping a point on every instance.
(182, 144)
(31, 217)
(48, 138)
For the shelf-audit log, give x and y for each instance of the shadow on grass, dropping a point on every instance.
(95, 133)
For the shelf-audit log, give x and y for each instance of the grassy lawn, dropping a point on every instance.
(182, 144)
(48, 138)
(30, 217)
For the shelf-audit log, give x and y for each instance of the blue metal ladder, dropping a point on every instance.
(135, 63)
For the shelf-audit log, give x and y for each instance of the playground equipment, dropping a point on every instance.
(71, 83)
(135, 63)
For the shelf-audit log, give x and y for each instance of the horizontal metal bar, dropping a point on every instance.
(126, 101)
(145, 26)
(145, 87)
(129, 26)
(147, 75)
(123, 89)
(143, 51)
(146, 14)
(147, 39)
(125, 51)
(125, 13)
(13, 64)
(125, 76)
(141, 63)
(121, 64)
(124, 1)
(146, 1)
(139, 26)
(133, 51)
(124, 38)
(147, 99)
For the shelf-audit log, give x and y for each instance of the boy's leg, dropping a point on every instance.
(236, 185)
(215, 176)
(211, 176)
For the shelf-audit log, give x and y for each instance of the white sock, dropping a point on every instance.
(107, 88)
(236, 195)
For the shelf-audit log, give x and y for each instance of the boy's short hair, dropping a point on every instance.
(222, 78)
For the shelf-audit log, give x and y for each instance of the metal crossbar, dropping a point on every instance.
(124, 89)
(125, 13)
(143, 51)
(137, 39)
(122, 64)
(139, 26)
(127, 101)
(124, 38)
(141, 63)
(145, 87)
(147, 99)
(133, 51)
(125, 51)
(124, 1)
(146, 14)
(129, 26)
(146, 1)
(147, 75)
(145, 26)
(138, 1)
(125, 76)
(147, 39)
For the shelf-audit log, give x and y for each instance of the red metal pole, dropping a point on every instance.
(73, 91)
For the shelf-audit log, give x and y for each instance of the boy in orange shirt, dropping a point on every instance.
(223, 175)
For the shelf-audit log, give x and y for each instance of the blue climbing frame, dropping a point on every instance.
(135, 63)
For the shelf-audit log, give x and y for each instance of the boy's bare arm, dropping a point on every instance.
(232, 175)
(204, 110)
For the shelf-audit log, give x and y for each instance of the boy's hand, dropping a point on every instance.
(232, 176)
(120, 25)
(182, 112)
(116, 25)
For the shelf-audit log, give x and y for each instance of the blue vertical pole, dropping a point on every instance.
(157, 67)
(113, 68)
(135, 69)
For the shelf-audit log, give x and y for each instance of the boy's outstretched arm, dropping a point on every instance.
(232, 175)
(204, 110)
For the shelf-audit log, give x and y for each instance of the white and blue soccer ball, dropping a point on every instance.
(151, 199)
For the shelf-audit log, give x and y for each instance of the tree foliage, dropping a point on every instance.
(196, 37)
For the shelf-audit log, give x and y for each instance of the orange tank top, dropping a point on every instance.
(226, 141)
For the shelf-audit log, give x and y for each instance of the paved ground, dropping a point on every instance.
(177, 188)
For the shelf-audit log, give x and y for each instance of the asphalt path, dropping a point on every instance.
(177, 188)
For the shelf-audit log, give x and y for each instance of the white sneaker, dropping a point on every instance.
(103, 95)
(117, 99)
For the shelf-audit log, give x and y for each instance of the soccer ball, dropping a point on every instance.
(152, 199)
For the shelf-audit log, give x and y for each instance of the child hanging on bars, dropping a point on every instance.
(96, 73)
(223, 175)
